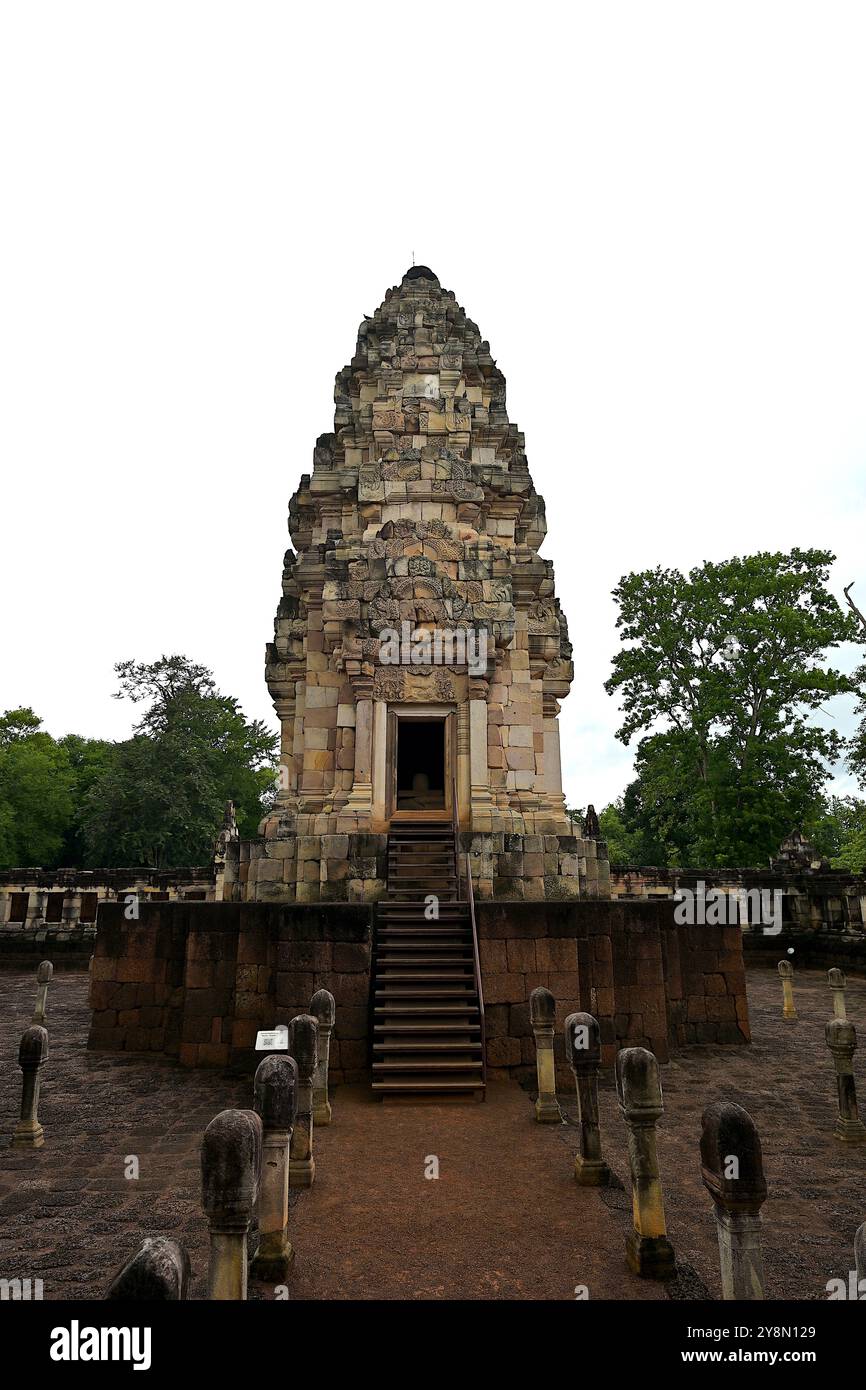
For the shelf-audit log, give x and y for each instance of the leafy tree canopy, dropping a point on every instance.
(160, 799)
(839, 833)
(156, 799)
(36, 792)
(721, 672)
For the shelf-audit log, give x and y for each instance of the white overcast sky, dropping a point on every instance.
(655, 213)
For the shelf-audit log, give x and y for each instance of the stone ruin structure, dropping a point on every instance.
(420, 652)
(418, 662)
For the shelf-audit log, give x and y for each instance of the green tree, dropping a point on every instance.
(36, 792)
(159, 800)
(839, 833)
(722, 671)
(87, 758)
(857, 744)
(632, 833)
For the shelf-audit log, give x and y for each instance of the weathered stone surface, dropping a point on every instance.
(419, 515)
(732, 1170)
(159, 1271)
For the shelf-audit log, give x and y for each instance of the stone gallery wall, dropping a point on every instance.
(649, 982)
(197, 981)
(830, 900)
(57, 907)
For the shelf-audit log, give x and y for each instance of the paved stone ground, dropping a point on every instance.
(503, 1221)
(817, 1185)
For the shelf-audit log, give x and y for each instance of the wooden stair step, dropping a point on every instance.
(389, 958)
(436, 978)
(414, 1008)
(425, 1067)
(419, 1026)
(427, 1083)
(440, 1045)
(412, 989)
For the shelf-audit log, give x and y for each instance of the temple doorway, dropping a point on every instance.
(420, 763)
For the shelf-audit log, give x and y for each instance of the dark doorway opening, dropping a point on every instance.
(421, 765)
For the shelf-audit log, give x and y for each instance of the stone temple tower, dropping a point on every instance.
(420, 651)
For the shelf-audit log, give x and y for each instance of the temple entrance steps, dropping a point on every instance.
(426, 1016)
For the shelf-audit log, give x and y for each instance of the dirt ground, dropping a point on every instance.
(503, 1220)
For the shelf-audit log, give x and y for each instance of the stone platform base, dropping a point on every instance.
(197, 981)
(649, 981)
(353, 868)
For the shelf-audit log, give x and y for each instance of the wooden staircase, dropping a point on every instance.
(427, 1013)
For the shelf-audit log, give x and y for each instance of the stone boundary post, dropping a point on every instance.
(32, 1056)
(836, 980)
(542, 1017)
(303, 1046)
(324, 1010)
(276, 1101)
(583, 1053)
(841, 1037)
(231, 1159)
(159, 1271)
(732, 1169)
(648, 1250)
(43, 975)
(860, 1253)
(786, 971)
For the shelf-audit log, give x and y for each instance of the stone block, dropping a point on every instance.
(503, 989)
(521, 956)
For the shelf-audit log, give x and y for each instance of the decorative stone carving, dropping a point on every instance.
(542, 1017)
(732, 1170)
(420, 509)
(648, 1250)
(583, 1053)
(231, 1163)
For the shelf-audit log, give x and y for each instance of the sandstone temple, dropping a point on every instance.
(420, 652)
(418, 864)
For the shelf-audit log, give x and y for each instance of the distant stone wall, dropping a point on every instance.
(197, 981)
(817, 900)
(58, 907)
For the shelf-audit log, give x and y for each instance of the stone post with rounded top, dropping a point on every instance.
(837, 982)
(786, 971)
(542, 1017)
(276, 1100)
(44, 971)
(159, 1271)
(583, 1054)
(231, 1160)
(324, 1010)
(32, 1056)
(648, 1250)
(732, 1169)
(841, 1038)
(303, 1046)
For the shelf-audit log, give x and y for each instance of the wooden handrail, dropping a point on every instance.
(455, 826)
(470, 900)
